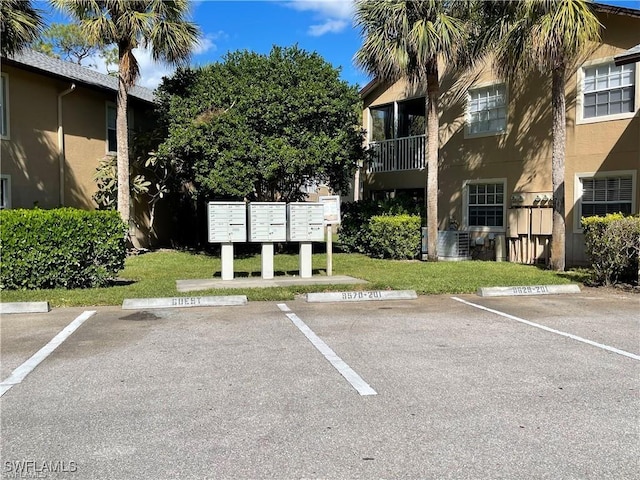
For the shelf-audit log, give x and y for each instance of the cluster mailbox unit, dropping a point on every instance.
(306, 225)
(227, 222)
(269, 222)
(227, 225)
(306, 222)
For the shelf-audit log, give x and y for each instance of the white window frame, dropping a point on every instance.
(5, 201)
(4, 93)
(465, 206)
(580, 96)
(577, 191)
(488, 133)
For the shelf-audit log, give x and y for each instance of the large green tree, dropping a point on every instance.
(407, 39)
(158, 25)
(20, 24)
(550, 37)
(261, 127)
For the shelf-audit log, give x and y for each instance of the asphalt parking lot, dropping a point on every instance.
(457, 391)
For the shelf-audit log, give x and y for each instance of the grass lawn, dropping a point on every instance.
(154, 275)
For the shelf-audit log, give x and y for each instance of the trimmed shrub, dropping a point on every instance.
(354, 226)
(61, 248)
(396, 237)
(355, 234)
(612, 245)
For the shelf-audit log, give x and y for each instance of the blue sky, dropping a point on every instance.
(323, 26)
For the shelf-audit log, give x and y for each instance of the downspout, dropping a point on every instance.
(61, 154)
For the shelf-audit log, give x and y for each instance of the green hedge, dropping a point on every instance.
(355, 234)
(61, 248)
(396, 237)
(612, 245)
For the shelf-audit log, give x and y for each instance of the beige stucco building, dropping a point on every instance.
(57, 121)
(495, 147)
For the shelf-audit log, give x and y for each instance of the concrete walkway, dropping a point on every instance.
(282, 281)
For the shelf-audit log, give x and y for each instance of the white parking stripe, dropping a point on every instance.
(552, 330)
(345, 370)
(27, 367)
(284, 307)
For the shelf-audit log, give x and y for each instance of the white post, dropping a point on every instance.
(267, 260)
(329, 251)
(305, 260)
(227, 261)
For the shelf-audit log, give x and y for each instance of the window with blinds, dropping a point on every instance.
(487, 110)
(608, 90)
(603, 195)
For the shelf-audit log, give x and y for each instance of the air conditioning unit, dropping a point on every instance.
(453, 245)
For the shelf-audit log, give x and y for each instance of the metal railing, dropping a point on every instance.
(397, 154)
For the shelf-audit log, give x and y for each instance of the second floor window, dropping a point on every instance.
(382, 123)
(608, 90)
(487, 110)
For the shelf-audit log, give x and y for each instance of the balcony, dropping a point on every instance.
(398, 154)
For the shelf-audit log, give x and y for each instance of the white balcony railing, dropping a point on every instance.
(398, 154)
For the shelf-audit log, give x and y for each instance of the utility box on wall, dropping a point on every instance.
(227, 222)
(268, 222)
(541, 221)
(518, 222)
(306, 222)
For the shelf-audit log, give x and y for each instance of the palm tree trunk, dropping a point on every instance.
(433, 91)
(122, 140)
(557, 168)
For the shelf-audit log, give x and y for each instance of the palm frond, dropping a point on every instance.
(20, 25)
(543, 35)
(157, 24)
(403, 38)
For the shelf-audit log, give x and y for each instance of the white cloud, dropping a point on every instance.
(207, 43)
(204, 45)
(151, 72)
(334, 15)
(329, 26)
(333, 9)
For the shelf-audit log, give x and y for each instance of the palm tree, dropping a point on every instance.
(158, 25)
(406, 39)
(20, 24)
(548, 36)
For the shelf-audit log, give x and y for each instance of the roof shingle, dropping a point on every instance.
(73, 71)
